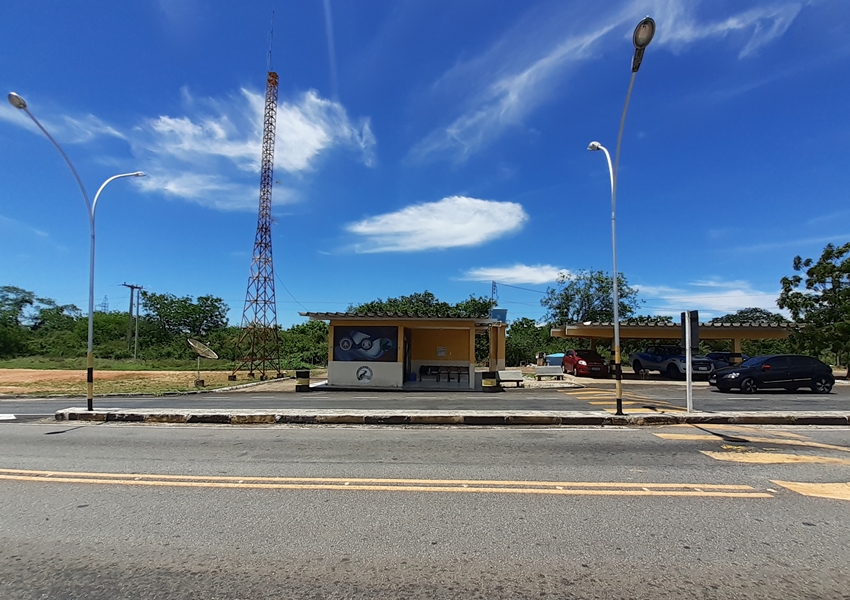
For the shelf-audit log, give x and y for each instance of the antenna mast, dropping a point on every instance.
(259, 344)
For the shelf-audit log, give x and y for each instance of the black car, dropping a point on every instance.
(778, 371)
(721, 360)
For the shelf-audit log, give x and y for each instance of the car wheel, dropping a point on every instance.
(673, 372)
(821, 385)
(748, 386)
(637, 366)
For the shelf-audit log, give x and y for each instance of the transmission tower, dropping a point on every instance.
(258, 348)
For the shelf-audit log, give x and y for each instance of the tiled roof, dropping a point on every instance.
(326, 316)
(760, 324)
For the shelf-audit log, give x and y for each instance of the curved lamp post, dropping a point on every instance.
(18, 102)
(644, 32)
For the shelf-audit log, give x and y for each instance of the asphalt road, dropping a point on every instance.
(388, 512)
(598, 395)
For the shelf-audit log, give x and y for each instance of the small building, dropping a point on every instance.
(405, 350)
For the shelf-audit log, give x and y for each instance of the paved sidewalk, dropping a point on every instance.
(437, 417)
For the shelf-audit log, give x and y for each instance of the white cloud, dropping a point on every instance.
(211, 154)
(534, 274)
(720, 298)
(449, 223)
(520, 71)
(65, 129)
(206, 157)
(678, 26)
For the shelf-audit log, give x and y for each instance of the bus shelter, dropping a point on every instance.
(396, 350)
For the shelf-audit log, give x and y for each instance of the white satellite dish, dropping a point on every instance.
(202, 350)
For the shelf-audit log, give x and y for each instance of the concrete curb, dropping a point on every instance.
(463, 417)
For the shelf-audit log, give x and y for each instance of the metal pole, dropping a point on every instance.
(19, 103)
(130, 314)
(689, 376)
(138, 301)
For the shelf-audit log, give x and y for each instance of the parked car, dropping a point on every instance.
(670, 361)
(789, 371)
(721, 360)
(584, 363)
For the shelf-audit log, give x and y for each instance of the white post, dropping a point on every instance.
(689, 374)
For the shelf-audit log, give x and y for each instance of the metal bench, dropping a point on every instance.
(448, 370)
(556, 372)
(514, 376)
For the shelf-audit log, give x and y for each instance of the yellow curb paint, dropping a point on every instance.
(772, 458)
(694, 437)
(832, 491)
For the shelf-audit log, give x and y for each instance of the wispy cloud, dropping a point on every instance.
(10, 226)
(533, 274)
(680, 27)
(712, 298)
(452, 222)
(210, 154)
(520, 71)
(186, 155)
(796, 243)
(67, 129)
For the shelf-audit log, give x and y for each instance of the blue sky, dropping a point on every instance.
(425, 144)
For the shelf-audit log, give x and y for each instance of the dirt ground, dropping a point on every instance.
(54, 381)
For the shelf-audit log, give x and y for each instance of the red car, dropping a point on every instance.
(584, 363)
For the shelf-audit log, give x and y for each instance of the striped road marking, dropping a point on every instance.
(832, 491)
(559, 488)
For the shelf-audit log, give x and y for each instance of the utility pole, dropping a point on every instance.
(133, 290)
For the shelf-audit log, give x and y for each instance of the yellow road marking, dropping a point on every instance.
(832, 491)
(403, 485)
(607, 402)
(748, 429)
(696, 437)
(660, 409)
(772, 458)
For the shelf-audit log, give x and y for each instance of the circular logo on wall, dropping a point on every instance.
(364, 374)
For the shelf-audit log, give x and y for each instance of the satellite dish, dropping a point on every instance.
(202, 350)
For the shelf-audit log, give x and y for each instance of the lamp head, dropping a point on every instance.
(644, 32)
(594, 146)
(17, 101)
(139, 174)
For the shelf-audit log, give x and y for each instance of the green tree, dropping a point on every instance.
(525, 338)
(426, 304)
(14, 335)
(174, 316)
(304, 344)
(588, 296)
(819, 296)
(750, 347)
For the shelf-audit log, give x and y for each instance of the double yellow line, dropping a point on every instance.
(555, 488)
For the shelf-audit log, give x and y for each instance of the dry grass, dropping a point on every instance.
(39, 382)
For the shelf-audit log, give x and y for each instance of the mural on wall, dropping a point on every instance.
(362, 344)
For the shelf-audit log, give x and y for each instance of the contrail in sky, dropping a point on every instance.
(329, 28)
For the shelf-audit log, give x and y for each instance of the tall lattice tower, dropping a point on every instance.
(259, 345)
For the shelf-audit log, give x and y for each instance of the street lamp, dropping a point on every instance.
(643, 34)
(18, 102)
